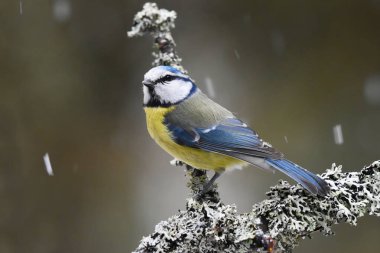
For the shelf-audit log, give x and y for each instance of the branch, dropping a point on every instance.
(158, 23)
(275, 224)
(289, 213)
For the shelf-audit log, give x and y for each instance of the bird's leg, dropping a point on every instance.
(207, 186)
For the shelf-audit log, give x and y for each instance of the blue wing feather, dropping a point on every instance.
(229, 137)
(233, 138)
(181, 136)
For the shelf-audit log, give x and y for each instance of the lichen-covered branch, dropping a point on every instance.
(158, 22)
(275, 224)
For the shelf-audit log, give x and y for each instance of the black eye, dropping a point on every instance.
(166, 78)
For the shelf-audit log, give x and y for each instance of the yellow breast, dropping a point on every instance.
(195, 157)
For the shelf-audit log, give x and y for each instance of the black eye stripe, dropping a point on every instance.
(166, 78)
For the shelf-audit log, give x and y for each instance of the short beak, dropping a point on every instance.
(148, 84)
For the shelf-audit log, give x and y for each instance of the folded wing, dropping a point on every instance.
(230, 137)
(233, 138)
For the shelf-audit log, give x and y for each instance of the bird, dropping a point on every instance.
(199, 132)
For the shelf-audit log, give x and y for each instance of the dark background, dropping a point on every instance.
(70, 86)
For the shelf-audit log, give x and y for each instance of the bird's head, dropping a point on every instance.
(165, 86)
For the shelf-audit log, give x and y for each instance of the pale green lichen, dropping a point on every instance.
(158, 23)
(289, 214)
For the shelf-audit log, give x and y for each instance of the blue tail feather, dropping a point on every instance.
(310, 181)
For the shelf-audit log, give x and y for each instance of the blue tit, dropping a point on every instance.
(201, 133)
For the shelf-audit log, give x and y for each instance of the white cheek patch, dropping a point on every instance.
(174, 91)
(146, 94)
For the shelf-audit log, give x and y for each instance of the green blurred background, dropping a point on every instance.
(70, 86)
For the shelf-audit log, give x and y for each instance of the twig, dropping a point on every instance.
(289, 214)
(275, 224)
(158, 23)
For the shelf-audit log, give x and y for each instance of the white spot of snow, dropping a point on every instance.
(173, 162)
(48, 167)
(372, 90)
(210, 87)
(338, 134)
(21, 9)
(61, 10)
(286, 139)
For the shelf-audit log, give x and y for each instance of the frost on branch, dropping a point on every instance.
(275, 224)
(158, 23)
(289, 213)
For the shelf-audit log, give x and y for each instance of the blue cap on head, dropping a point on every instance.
(172, 69)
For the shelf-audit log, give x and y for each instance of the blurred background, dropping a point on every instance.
(70, 86)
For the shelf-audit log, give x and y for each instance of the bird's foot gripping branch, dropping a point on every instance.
(275, 224)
